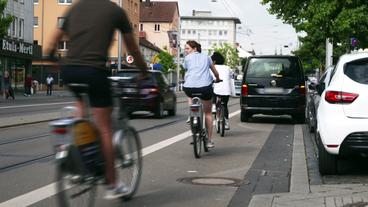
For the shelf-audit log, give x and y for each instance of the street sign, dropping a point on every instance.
(353, 41)
(130, 59)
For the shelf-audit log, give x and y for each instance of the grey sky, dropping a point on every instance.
(259, 30)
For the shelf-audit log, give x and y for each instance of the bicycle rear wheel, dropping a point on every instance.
(128, 160)
(222, 121)
(74, 189)
(197, 142)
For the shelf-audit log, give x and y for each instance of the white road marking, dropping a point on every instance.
(50, 190)
(31, 105)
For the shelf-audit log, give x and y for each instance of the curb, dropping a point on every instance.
(28, 119)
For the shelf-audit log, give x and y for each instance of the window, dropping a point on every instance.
(14, 26)
(141, 27)
(63, 45)
(60, 21)
(35, 21)
(35, 42)
(357, 71)
(225, 32)
(157, 27)
(21, 1)
(194, 32)
(21, 28)
(183, 31)
(220, 32)
(35, 1)
(135, 8)
(65, 1)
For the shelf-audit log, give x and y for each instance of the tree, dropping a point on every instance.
(167, 62)
(5, 21)
(321, 19)
(230, 54)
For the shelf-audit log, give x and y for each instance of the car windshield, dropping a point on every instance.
(357, 71)
(273, 67)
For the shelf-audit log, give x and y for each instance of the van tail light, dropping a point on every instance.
(340, 97)
(244, 90)
(302, 90)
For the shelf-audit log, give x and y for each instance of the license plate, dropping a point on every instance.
(84, 133)
(274, 90)
(130, 90)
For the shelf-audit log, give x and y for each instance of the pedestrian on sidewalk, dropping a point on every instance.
(28, 85)
(49, 82)
(7, 87)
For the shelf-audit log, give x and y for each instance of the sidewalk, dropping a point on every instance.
(303, 195)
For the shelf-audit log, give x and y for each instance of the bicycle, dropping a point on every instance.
(79, 158)
(198, 126)
(220, 116)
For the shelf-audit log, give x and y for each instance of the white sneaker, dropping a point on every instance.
(213, 108)
(188, 120)
(210, 144)
(117, 192)
(227, 124)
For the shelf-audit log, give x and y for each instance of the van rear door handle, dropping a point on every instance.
(252, 84)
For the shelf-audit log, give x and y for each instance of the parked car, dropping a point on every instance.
(237, 84)
(273, 85)
(342, 114)
(154, 94)
(313, 98)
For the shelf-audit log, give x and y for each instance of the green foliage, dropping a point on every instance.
(320, 19)
(230, 54)
(167, 61)
(5, 21)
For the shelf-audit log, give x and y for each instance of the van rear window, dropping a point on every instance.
(357, 71)
(273, 67)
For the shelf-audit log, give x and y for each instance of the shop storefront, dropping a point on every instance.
(16, 58)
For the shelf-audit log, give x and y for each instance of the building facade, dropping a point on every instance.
(17, 49)
(50, 14)
(159, 23)
(208, 30)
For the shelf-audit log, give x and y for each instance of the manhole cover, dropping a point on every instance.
(214, 181)
(358, 204)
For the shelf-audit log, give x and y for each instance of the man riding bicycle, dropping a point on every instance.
(89, 26)
(198, 79)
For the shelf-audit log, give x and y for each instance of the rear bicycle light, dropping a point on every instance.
(59, 131)
(244, 90)
(340, 97)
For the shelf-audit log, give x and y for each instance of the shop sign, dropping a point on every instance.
(21, 48)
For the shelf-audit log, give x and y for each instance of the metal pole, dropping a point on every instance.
(119, 44)
(178, 40)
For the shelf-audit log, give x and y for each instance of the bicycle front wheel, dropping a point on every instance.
(128, 160)
(74, 189)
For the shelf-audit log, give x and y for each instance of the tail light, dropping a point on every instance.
(244, 90)
(340, 97)
(302, 90)
(154, 91)
(59, 131)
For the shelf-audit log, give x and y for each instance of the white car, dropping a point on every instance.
(342, 114)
